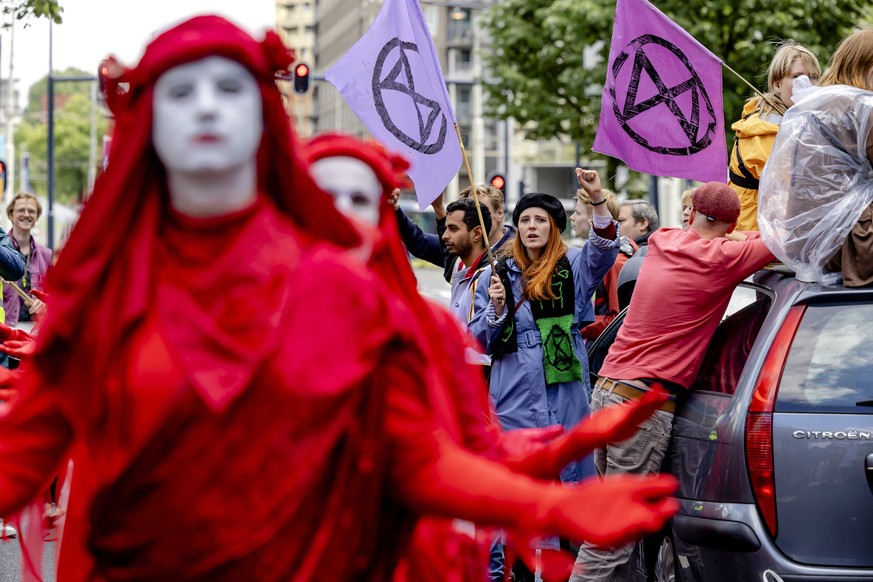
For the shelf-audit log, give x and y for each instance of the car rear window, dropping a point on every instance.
(829, 367)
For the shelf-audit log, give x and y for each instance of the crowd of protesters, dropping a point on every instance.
(686, 278)
(155, 362)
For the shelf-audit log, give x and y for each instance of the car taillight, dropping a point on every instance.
(759, 421)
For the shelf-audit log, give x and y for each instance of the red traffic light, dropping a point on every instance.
(301, 78)
(498, 182)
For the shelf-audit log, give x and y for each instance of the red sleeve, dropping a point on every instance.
(33, 439)
(742, 258)
(431, 474)
(608, 233)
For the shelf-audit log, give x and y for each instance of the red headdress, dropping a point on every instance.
(435, 327)
(103, 280)
(455, 391)
(390, 169)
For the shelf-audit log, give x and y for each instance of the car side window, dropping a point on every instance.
(829, 368)
(732, 341)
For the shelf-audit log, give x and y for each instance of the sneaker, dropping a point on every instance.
(7, 530)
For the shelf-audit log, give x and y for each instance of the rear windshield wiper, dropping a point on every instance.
(864, 403)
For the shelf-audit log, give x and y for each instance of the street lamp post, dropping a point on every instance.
(50, 145)
(50, 149)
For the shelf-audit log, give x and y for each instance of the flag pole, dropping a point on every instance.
(475, 191)
(28, 300)
(779, 107)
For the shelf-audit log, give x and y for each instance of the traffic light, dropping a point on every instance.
(3, 175)
(301, 78)
(498, 180)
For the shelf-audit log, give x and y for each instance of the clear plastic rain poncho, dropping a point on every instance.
(818, 179)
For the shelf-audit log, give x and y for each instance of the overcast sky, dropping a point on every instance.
(92, 29)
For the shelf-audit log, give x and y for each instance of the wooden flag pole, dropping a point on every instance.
(778, 107)
(475, 191)
(28, 300)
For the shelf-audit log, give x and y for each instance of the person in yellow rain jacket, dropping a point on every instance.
(756, 130)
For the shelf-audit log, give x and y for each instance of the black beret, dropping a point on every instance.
(545, 201)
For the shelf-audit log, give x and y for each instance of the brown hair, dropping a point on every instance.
(852, 63)
(612, 203)
(23, 196)
(538, 273)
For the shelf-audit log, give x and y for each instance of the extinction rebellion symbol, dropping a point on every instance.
(400, 81)
(651, 135)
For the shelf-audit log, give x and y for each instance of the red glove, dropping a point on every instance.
(524, 442)
(622, 509)
(9, 333)
(612, 511)
(607, 513)
(610, 425)
(20, 349)
(41, 295)
(16, 342)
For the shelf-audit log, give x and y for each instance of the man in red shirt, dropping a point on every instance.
(684, 287)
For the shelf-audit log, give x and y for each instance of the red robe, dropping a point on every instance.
(190, 462)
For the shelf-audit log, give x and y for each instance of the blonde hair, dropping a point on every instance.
(538, 273)
(488, 191)
(780, 67)
(24, 196)
(852, 63)
(686, 198)
(612, 203)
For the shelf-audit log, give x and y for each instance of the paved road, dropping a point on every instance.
(10, 561)
(431, 283)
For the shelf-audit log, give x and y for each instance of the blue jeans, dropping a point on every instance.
(641, 455)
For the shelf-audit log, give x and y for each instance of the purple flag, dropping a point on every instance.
(661, 110)
(391, 78)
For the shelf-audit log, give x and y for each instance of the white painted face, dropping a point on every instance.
(354, 186)
(208, 117)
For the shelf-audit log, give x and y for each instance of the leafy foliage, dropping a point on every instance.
(540, 78)
(72, 136)
(24, 9)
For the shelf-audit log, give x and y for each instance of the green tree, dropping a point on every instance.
(540, 79)
(38, 92)
(24, 9)
(72, 139)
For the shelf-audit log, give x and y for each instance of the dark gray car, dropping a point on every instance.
(773, 446)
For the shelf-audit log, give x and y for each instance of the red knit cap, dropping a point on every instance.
(716, 201)
(390, 169)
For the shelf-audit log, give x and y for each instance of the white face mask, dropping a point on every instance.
(207, 117)
(355, 189)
